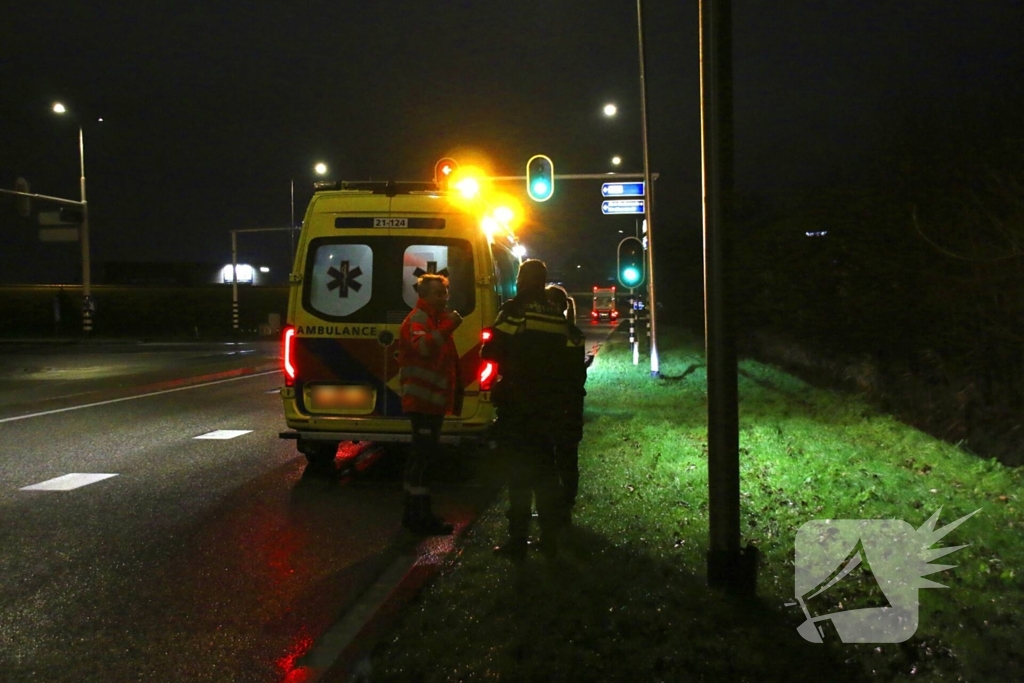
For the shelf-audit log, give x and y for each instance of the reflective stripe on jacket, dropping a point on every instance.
(529, 345)
(428, 361)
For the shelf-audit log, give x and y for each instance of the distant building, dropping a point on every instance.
(159, 274)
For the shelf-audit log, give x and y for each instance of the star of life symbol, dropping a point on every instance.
(344, 278)
(418, 260)
(859, 578)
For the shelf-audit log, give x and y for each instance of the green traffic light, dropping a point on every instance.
(631, 262)
(540, 178)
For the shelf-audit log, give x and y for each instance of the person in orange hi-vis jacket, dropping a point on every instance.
(431, 388)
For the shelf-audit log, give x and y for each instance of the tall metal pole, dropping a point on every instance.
(649, 189)
(234, 281)
(728, 565)
(87, 305)
(291, 226)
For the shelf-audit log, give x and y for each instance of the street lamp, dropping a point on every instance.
(610, 110)
(87, 303)
(616, 161)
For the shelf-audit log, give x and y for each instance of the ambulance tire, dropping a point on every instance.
(318, 454)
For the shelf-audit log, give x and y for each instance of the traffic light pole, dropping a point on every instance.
(580, 176)
(87, 304)
(633, 343)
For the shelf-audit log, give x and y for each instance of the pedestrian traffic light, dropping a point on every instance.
(631, 262)
(540, 178)
(443, 170)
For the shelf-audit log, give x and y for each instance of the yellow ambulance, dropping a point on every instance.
(360, 251)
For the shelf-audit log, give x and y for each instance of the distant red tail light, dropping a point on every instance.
(288, 353)
(615, 314)
(487, 374)
(486, 335)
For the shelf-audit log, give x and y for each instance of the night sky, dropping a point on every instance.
(211, 109)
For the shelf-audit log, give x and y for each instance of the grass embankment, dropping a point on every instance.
(628, 601)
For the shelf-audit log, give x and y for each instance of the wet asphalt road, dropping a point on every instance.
(202, 559)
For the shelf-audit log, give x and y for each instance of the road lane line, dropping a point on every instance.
(132, 398)
(68, 482)
(223, 434)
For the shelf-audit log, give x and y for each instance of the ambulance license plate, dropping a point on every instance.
(343, 397)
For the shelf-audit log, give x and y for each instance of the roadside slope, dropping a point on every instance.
(628, 600)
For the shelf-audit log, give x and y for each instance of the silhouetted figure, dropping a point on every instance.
(530, 335)
(572, 378)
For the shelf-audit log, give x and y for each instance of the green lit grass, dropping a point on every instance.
(628, 600)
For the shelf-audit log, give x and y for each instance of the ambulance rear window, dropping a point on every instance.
(373, 279)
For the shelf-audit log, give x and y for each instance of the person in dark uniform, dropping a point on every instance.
(572, 378)
(528, 344)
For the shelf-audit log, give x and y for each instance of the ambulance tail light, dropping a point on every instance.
(288, 354)
(487, 375)
(486, 335)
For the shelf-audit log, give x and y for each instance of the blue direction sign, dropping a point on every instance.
(622, 189)
(617, 206)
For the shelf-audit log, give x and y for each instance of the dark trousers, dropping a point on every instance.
(531, 473)
(426, 439)
(567, 458)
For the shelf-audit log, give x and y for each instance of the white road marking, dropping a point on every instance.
(68, 482)
(223, 434)
(132, 398)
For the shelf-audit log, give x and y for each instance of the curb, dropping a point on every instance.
(342, 653)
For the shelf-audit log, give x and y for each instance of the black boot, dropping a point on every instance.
(424, 522)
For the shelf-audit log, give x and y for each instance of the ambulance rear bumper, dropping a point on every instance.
(338, 437)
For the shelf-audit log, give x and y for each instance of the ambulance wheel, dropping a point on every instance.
(318, 454)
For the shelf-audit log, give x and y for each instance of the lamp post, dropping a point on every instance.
(87, 303)
(649, 200)
(610, 110)
(320, 168)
